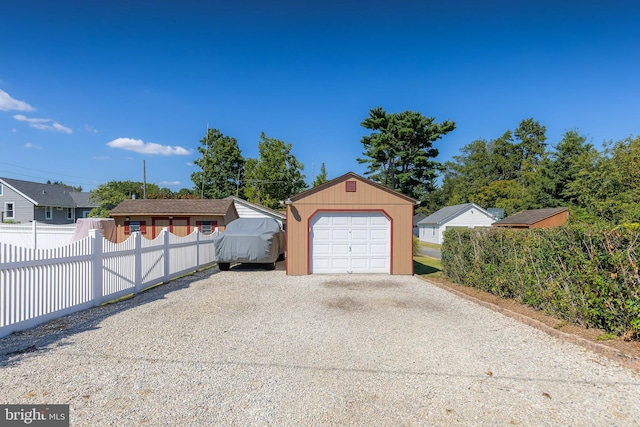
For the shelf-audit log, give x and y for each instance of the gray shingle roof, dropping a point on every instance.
(50, 194)
(172, 207)
(529, 217)
(447, 212)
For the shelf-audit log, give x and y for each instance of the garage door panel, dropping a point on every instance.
(339, 264)
(340, 234)
(360, 234)
(379, 220)
(379, 234)
(359, 220)
(320, 249)
(350, 242)
(377, 249)
(321, 234)
(339, 249)
(361, 249)
(338, 221)
(359, 263)
(378, 263)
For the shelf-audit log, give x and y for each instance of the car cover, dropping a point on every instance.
(107, 227)
(250, 240)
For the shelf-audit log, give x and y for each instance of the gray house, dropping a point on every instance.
(26, 201)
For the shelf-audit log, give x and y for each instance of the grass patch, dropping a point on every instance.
(606, 337)
(431, 245)
(427, 266)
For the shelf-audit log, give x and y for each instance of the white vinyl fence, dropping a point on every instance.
(37, 285)
(36, 235)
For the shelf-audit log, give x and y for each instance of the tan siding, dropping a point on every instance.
(554, 221)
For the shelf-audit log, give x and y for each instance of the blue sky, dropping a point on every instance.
(90, 89)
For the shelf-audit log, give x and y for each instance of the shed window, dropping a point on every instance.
(0, 189)
(350, 186)
(48, 212)
(9, 212)
(206, 227)
(133, 226)
(69, 213)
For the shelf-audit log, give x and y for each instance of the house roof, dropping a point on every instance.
(257, 207)
(529, 217)
(173, 207)
(418, 217)
(82, 200)
(49, 194)
(448, 212)
(350, 175)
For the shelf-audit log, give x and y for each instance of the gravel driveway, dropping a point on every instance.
(250, 347)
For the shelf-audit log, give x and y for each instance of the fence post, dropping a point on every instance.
(34, 234)
(197, 249)
(137, 261)
(167, 265)
(96, 239)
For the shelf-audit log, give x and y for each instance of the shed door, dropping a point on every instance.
(350, 242)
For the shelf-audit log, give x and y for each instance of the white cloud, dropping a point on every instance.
(169, 183)
(14, 130)
(7, 103)
(139, 146)
(30, 145)
(42, 124)
(101, 157)
(90, 129)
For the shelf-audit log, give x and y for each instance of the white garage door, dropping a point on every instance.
(350, 242)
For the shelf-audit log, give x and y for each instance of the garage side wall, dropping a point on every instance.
(335, 198)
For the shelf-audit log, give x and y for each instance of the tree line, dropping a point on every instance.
(519, 171)
(516, 171)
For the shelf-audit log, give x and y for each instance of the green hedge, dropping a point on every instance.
(585, 275)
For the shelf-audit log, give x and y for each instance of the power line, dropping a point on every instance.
(54, 174)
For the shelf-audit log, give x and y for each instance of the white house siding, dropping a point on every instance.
(471, 218)
(248, 212)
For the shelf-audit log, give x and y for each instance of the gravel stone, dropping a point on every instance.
(255, 347)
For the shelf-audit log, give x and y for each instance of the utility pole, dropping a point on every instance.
(144, 180)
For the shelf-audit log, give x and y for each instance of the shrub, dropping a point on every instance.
(586, 275)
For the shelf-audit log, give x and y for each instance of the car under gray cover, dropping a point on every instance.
(250, 240)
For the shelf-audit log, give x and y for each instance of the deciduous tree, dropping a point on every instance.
(275, 175)
(221, 167)
(109, 195)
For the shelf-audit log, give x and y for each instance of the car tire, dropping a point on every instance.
(270, 266)
(224, 266)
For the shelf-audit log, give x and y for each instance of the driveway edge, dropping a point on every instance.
(614, 354)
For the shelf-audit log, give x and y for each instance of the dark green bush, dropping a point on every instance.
(585, 275)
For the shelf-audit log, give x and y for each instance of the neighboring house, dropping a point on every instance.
(26, 201)
(416, 219)
(252, 210)
(180, 216)
(349, 225)
(535, 218)
(468, 215)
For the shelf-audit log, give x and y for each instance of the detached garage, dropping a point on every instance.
(350, 225)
